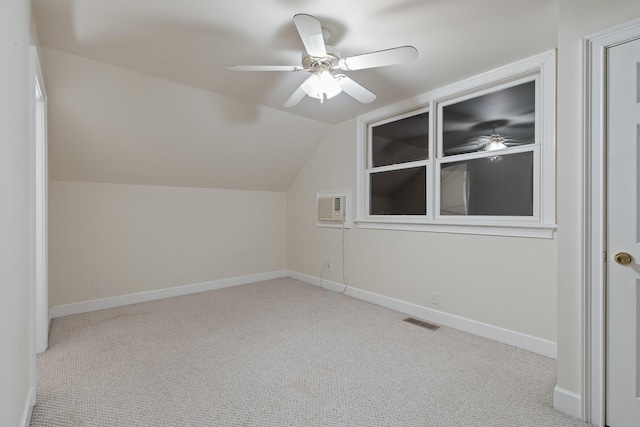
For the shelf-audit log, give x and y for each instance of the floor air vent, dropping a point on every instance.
(421, 323)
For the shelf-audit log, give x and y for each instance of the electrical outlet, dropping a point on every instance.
(434, 298)
(329, 266)
(97, 288)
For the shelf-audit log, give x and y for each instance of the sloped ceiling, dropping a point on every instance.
(139, 91)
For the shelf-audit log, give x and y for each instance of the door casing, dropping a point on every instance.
(593, 218)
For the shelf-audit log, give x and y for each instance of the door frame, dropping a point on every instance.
(594, 215)
(39, 199)
(38, 219)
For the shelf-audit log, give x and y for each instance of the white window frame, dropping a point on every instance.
(534, 148)
(542, 68)
(428, 163)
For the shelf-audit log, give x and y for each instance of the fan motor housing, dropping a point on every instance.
(317, 65)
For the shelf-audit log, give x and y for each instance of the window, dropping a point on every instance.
(399, 158)
(488, 151)
(475, 157)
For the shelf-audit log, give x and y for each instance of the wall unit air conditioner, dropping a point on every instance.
(331, 209)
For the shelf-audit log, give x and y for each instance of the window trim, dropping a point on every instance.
(542, 225)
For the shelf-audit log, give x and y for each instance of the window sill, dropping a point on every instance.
(530, 230)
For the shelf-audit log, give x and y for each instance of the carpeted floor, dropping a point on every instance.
(282, 353)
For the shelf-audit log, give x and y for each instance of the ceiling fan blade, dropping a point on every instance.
(265, 68)
(485, 139)
(295, 98)
(479, 140)
(354, 89)
(311, 34)
(464, 148)
(381, 58)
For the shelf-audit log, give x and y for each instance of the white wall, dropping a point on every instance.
(502, 281)
(167, 145)
(578, 18)
(107, 124)
(132, 238)
(14, 211)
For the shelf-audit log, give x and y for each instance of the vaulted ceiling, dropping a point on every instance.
(230, 129)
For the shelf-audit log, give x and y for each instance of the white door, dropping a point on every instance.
(623, 228)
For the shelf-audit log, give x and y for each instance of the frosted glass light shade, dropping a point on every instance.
(321, 86)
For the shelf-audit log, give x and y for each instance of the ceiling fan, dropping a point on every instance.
(320, 59)
(491, 142)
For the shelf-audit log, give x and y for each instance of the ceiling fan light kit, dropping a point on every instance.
(320, 59)
(496, 142)
(321, 86)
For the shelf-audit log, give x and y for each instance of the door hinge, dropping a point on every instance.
(605, 256)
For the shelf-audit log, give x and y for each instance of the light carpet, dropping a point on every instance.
(282, 353)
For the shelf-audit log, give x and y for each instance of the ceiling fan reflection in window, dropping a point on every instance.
(320, 60)
(491, 142)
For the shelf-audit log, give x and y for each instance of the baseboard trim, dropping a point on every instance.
(122, 300)
(496, 333)
(28, 407)
(505, 336)
(567, 402)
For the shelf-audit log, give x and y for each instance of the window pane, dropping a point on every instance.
(497, 120)
(401, 192)
(401, 141)
(496, 185)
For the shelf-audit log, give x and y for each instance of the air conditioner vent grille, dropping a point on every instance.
(331, 209)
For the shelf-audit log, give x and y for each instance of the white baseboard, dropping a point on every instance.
(28, 407)
(122, 300)
(505, 336)
(567, 402)
(496, 333)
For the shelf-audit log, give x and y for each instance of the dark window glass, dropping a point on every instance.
(399, 192)
(496, 185)
(497, 120)
(401, 141)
